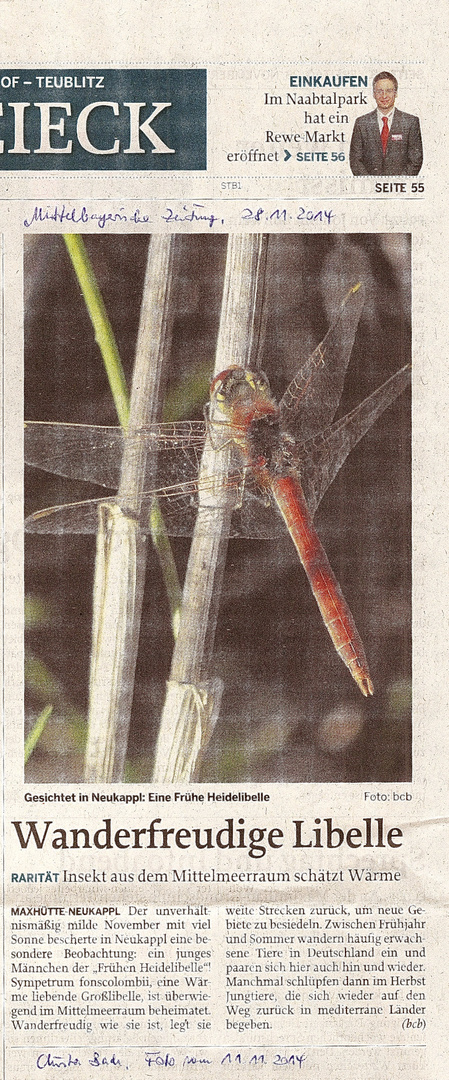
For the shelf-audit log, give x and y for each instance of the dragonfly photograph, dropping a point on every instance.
(217, 446)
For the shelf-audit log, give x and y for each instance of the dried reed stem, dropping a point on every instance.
(193, 701)
(121, 549)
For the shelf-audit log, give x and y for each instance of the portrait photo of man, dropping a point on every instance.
(387, 141)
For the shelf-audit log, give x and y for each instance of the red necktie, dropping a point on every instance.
(384, 135)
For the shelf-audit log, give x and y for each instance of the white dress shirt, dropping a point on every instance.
(380, 118)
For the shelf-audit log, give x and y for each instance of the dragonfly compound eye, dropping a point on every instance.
(239, 384)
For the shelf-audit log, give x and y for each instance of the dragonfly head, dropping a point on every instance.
(238, 390)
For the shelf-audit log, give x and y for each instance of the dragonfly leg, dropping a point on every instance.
(215, 427)
(241, 489)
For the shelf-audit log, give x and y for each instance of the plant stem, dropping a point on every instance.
(104, 335)
(121, 548)
(33, 738)
(193, 701)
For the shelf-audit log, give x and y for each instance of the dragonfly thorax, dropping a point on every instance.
(268, 446)
(253, 414)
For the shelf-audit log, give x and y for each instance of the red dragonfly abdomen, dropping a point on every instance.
(254, 417)
(336, 614)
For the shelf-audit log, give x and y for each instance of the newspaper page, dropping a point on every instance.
(225, 412)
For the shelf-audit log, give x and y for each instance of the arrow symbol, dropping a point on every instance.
(287, 155)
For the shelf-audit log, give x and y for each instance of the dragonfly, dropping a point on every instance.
(284, 456)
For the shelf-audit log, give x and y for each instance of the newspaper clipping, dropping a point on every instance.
(224, 792)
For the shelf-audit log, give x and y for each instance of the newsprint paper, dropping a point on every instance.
(225, 445)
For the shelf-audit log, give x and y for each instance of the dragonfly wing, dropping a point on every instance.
(311, 399)
(178, 501)
(81, 452)
(253, 516)
(257, 518)
(322, 457)
(94, 454)
(78, 451)
(178, 505)
(70, 518)
(68, 452)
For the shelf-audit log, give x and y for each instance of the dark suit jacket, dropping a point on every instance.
(403, 156)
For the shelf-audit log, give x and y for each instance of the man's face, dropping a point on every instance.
(385, 94)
